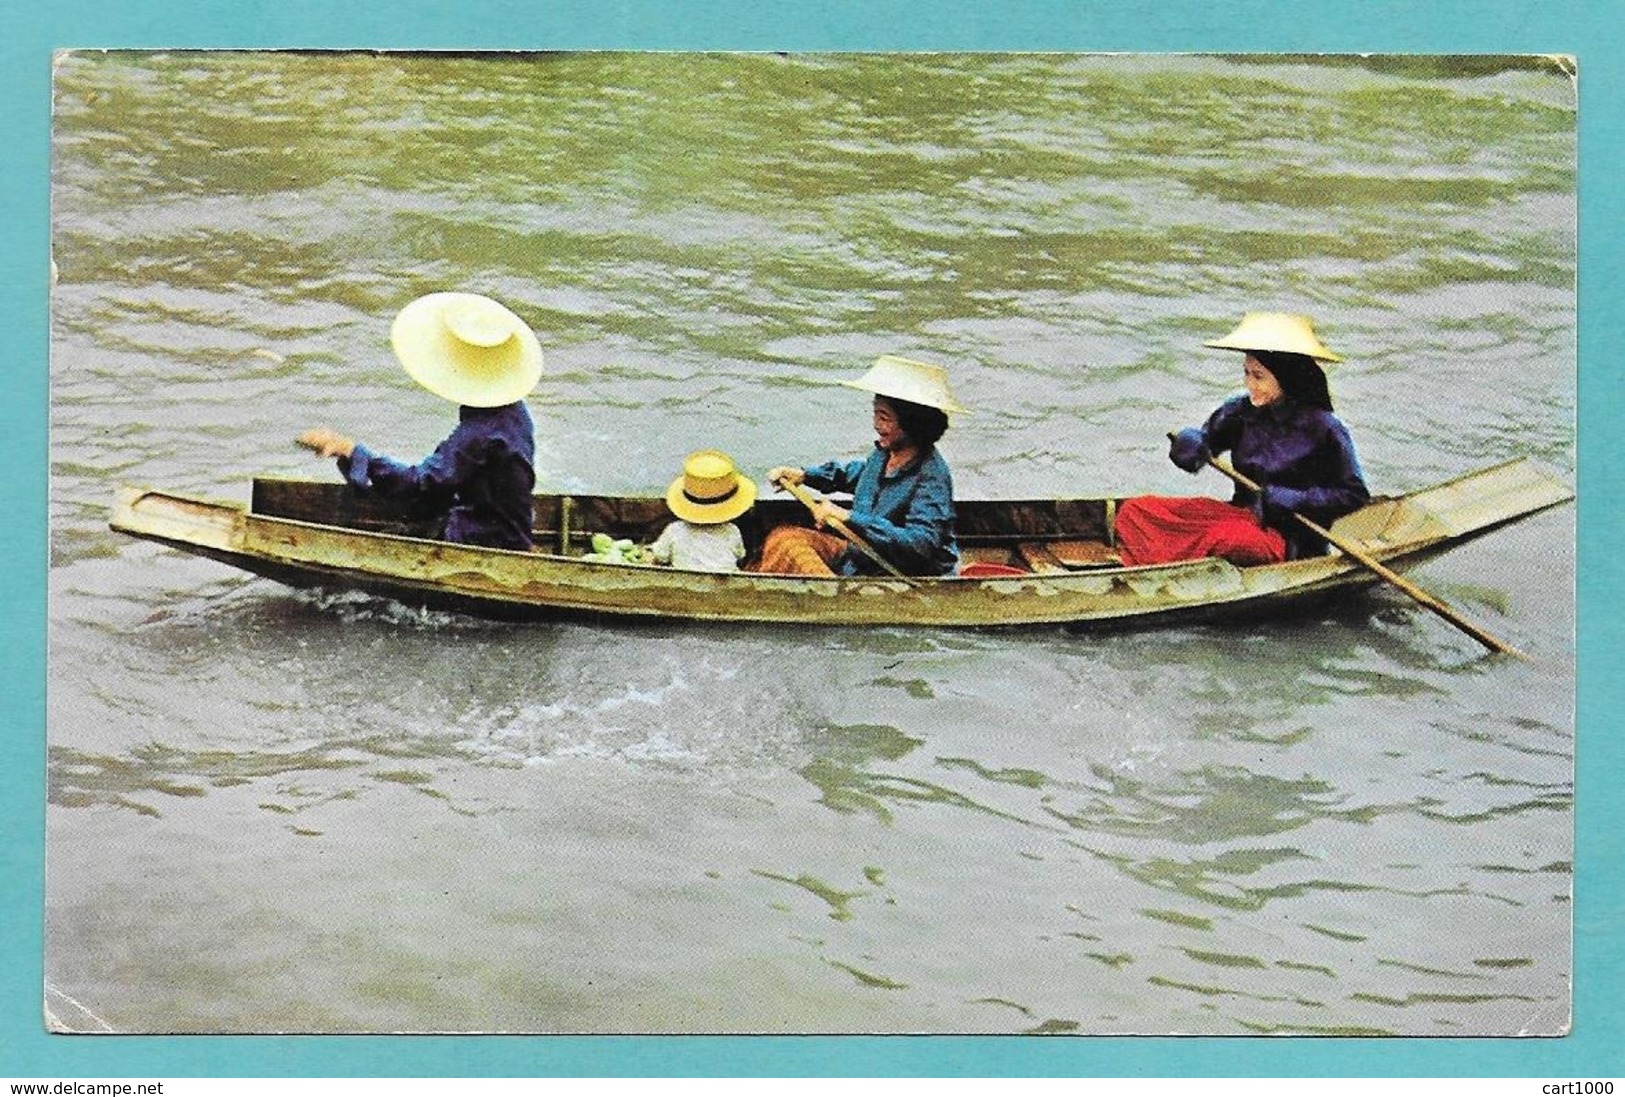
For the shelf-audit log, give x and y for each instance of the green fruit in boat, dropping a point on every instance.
(623, 545)
(602, 542)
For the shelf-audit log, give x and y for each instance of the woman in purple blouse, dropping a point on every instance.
(1282, 435)
(474, 352)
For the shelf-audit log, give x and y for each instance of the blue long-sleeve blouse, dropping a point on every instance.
(483, 475)
(1304, 458)
(907, 516)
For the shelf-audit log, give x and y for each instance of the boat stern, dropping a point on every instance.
(178, 520)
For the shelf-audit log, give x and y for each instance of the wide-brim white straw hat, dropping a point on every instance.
(468, 349)
(907, 379)
(710, 490)
(1279, 331)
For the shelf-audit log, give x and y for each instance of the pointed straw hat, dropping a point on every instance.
(467, 349)
(1279, 331)
(907, 379)
(711, 490)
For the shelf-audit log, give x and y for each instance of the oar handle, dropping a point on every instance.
(1370, 563)
(857, 542)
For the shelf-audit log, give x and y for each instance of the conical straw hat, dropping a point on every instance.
(710, 490)
(467, 348)
(906, 379)
(1280, 331)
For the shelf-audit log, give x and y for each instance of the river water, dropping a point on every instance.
(274, 811)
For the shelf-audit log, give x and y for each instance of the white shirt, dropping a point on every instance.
(700, 548)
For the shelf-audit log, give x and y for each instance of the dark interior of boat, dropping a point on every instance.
(996, 537)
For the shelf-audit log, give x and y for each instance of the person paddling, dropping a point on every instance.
(478, 354)
(902, 492)
(1282, 435)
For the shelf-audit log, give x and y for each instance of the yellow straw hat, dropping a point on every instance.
(467, 348)
(711, 490)
(907, 379)
(1279, 331)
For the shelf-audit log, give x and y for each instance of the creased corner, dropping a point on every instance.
(65, 1015)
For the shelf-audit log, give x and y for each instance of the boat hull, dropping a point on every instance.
(364, 546)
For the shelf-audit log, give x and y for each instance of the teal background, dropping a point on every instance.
(1592, 31)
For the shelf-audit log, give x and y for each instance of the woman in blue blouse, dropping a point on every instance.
(477, 354)
(902, 492)
(1282, 435)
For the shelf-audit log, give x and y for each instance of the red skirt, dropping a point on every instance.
(1158, 529)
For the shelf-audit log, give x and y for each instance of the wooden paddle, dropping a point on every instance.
(857, 542)
(1370, 564)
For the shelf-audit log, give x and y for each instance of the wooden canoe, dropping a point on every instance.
(1051, 559)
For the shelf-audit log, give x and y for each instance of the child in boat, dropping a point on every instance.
(476, 353)
(706, 499)
(1282, 435)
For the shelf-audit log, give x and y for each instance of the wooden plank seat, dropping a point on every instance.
(1085, 554)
